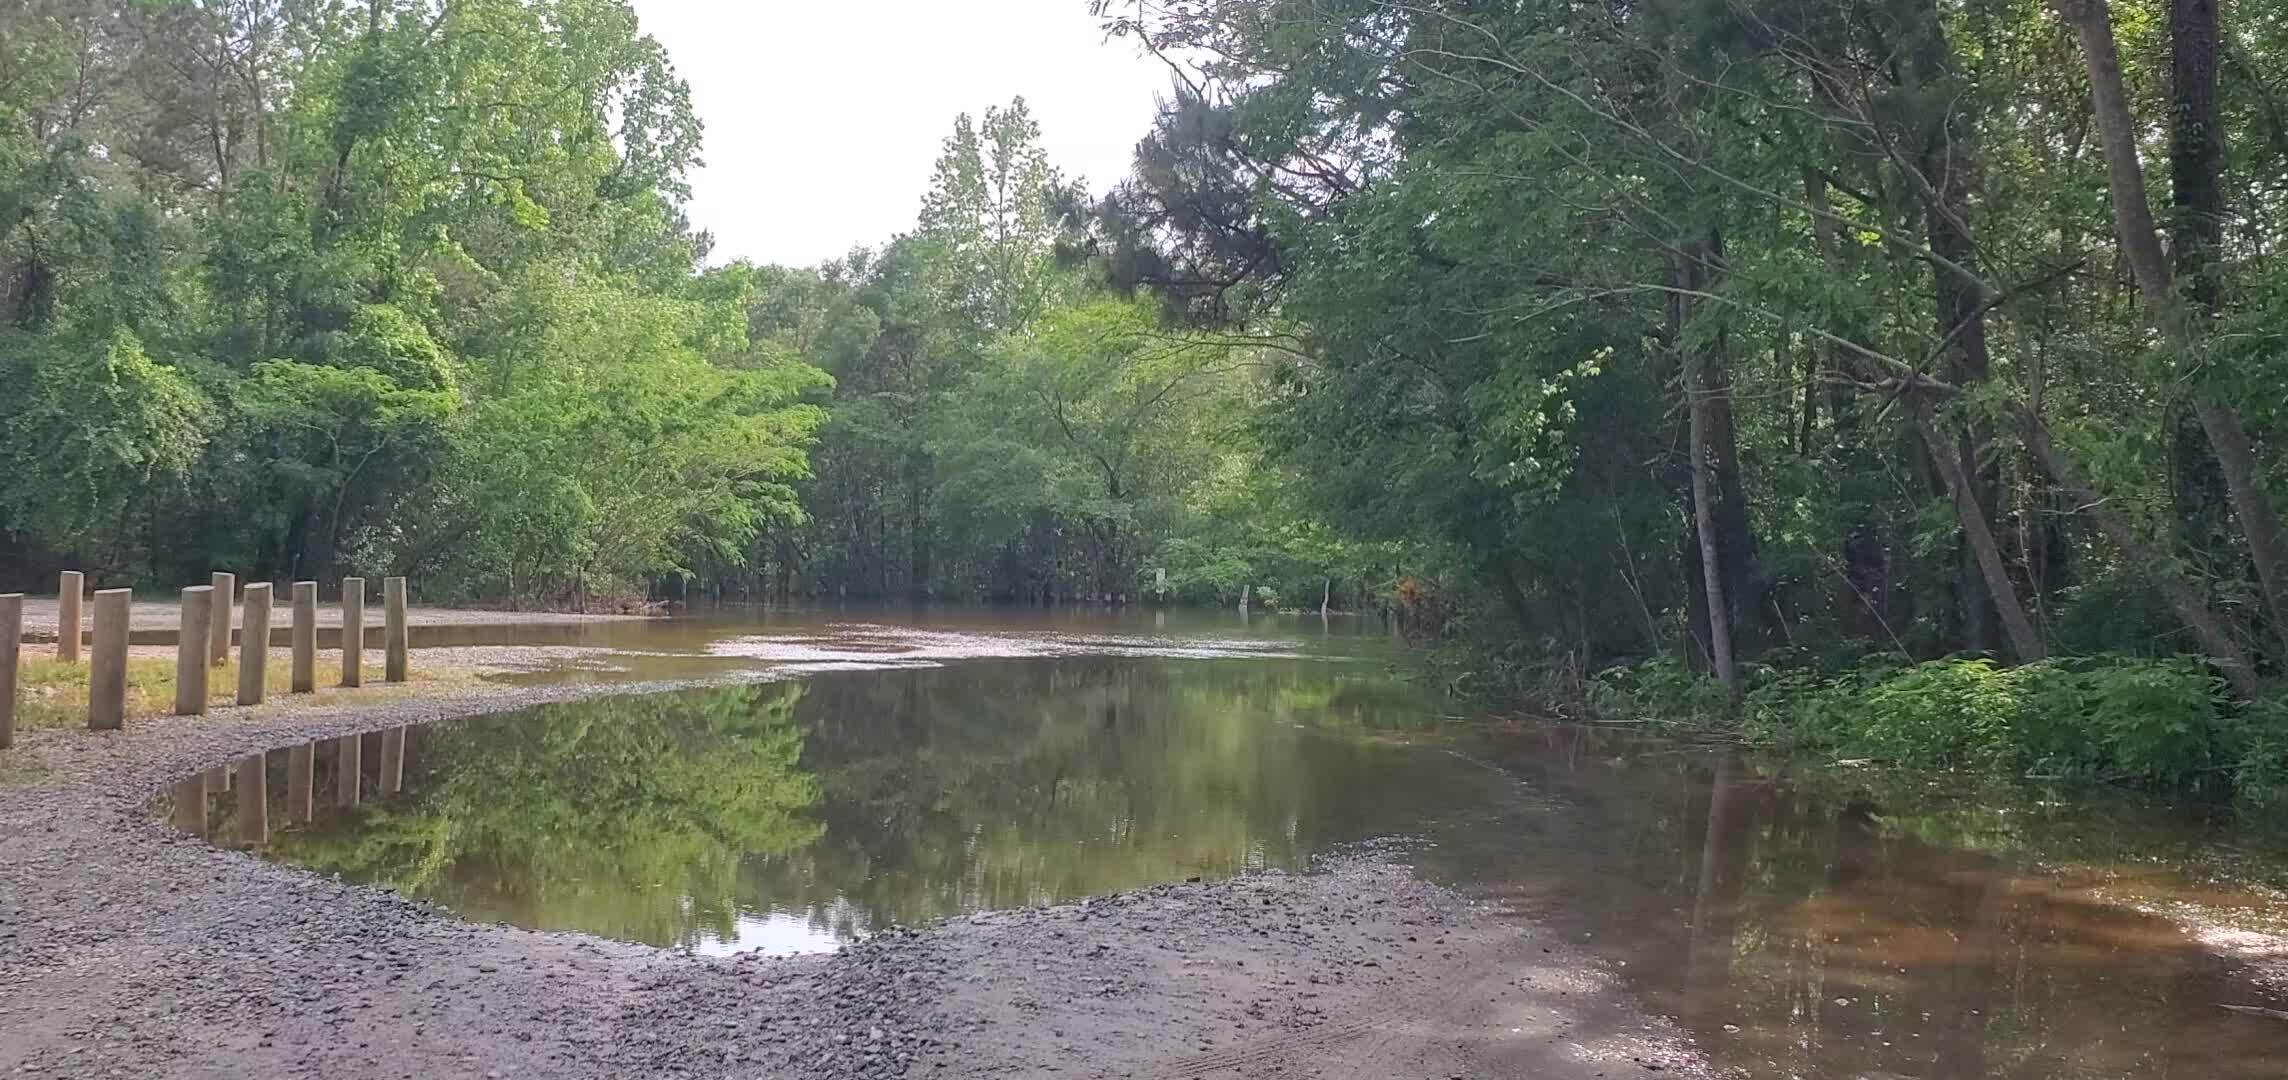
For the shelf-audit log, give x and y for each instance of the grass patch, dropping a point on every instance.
(53, 693)
(14, 771)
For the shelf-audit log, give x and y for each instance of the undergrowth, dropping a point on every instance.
(2162, 724)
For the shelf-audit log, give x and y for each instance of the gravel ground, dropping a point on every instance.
(129, 950)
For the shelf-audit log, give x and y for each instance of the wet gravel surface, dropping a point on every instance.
(127, 949)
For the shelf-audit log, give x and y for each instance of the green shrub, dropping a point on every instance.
(1946, 713)
(2164, 723)
(2260, 765)
(1661, 689)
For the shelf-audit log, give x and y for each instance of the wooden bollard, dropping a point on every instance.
(346, 768)
(107, 662)
(254, 644)
(11, 648)
(353, 631)
(393, 761)
(301, 776)
(393, 630)
(218, 778)
(191, 805)
(305, 636)
(71, 586)
(191, 651)
(225, 588)
(253, 801)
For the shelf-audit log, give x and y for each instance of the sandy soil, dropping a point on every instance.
(129, 950)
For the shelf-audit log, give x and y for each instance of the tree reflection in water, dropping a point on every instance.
(1798, 927)
(859, 800)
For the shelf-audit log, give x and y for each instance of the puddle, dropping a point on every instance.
(1822, 927)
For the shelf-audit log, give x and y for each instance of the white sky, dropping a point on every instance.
(823, 117)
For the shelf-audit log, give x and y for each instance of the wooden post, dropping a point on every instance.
(253, 801)
(217, 778)
(254, 644)
(353, 631)
(346, 766)
(393, 638)
(191, 650)
(393, 760)
(11, 647)
(225, 588)
(107, 663)
(191, 805)
(305, 636)
(71, 586)
(301, 776)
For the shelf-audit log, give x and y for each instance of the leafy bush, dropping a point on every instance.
(2260, 770)
(2160, 722)
(1660, 689)
(2153, 722)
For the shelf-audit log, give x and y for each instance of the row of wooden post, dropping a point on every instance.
(202, 640)
(250, 778)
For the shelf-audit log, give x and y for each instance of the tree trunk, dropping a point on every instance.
(1512, 592)
(2196, 158)
(1866, 560)
(2196, 150)
(2191, 608)
(1978, 536)
(1702, 392)
(1744, 583)
(2141, 245)
(1945, 154)
(917, 530)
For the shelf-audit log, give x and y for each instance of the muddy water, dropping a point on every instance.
(1815, 926)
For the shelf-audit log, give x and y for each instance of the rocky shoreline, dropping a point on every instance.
(127, 949)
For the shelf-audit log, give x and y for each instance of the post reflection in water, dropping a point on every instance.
(191, 805)
(238, 814)
(301, 782)
(349, 771)
(252, 822)
(1835, 929)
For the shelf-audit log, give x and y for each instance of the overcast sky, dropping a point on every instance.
(824, 117)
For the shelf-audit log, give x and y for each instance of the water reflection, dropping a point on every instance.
(1802, 932)
(231, 805)
(791, 816)
(1797, 928)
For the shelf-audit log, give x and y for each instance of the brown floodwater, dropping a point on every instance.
(923, 764)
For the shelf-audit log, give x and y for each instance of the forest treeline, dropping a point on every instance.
(1740, 342)
(1898, 376)
(306, 288)
(407, 287)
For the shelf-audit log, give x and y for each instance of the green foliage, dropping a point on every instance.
(428, 264)
(1001, 427)
(863, 800)
(90, 428)
(611, 817)
(1512, 252)
(2165, 723)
